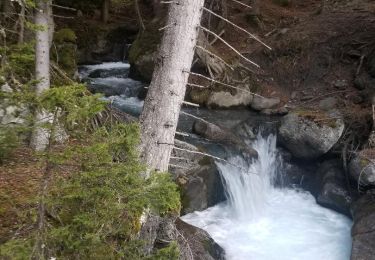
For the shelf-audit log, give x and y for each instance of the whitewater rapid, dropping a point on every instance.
(262, 222)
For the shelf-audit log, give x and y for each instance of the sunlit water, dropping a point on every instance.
(262, 222)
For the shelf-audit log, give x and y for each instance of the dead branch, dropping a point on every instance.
(190, 104)
(222, 83)
(240, 3)
(238, 27)
(214, 55)
(230, 46)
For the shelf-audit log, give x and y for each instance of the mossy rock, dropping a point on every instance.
(142, 52)
(319, 117)
(65, 55)
(64, 35)
(200, 96)
(146, 42)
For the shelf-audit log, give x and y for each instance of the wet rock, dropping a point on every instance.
(310, 134)
(363, 230)
(114, 72)
(282, 111)
(143, 67)
(332, 187)
(362, 170)
(197, 244)
(328, 103)
(260, 103)
(221, 135)
(364, 81)
(225, 99)
(201, 187)
(142, 53)
(198, 178)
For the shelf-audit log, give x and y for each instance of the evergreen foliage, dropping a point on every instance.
(95, 211)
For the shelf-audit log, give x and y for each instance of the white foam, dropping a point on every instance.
(87, 69)
(260, 222)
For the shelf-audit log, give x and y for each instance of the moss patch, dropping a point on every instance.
(146, 42)
(64, 35)
(318, 117)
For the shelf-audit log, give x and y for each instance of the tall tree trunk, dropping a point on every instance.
(167, 90)
(105, 10)
(43, 16)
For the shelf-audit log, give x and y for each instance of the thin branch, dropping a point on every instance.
(195, 117)
(238, 2)
(238, 27)
(190, 104)
(182, 134)
(230, 46)
(215, 39)
(64, 7)
(167, 26)
(63, 17)
(214, 157)
(216, 56)
(139, 15)
(179, 158)
(196, 85)
(222, 83)
(360, 65)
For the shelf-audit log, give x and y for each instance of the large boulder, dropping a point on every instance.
(332, 189)
(363, 230)
(143, 52)
(195, 243)
(198, 178)
(201, 187)
(310, 134)
(362, 169)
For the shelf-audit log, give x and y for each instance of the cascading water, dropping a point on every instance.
(258, 221)
(262, 222)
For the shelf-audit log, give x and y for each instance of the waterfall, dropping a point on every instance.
(262, 222)
(249, 183)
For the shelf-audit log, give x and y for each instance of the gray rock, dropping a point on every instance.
(341, 83)
(197, 243)
(225, 99)
(328, 103)
(201, 187)
(363, 230)
(308, 139)
(198, 178)
(282, 111)
(260, 103)
(362, 170)
(144, 65)
(332, 188)
(221, 135)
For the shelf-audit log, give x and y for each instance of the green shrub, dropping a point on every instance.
(8, 142)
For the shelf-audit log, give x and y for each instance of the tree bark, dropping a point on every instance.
(43, 16)
(167, 90)
(21, 31)
(105, 10)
